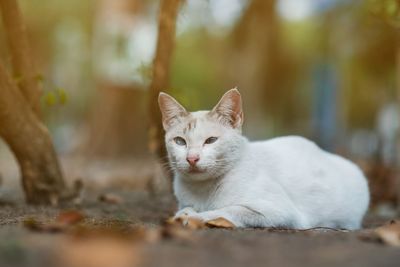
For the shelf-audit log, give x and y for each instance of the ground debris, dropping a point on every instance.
(186, 222)
(110, 198)
(136, 231)
(220, 223)
(195, 224)
(389, 233)
(63, 222)
(70, 217)
(73, 224)
(183, 228)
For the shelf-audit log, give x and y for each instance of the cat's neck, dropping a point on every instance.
(196, 194)
(199, 186)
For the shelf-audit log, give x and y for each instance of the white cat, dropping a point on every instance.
(284, 182)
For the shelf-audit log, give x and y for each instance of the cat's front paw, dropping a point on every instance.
(185, 212)
(187, 217)
(188, 214)
(191, 222)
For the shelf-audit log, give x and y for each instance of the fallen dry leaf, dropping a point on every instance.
(389, 233)
(220, 223)
(34, 225)
(110, 198)
(70, 217)
(62, 222)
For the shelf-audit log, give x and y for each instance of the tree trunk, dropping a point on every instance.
(161, 72)
(398, 134)
(20, 125)
(23, 68)
(257, 53)
(115, 123)
(31, 145)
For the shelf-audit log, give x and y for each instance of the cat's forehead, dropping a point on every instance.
(195, 120)
(197, 123)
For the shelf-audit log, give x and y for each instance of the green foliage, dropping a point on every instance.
(389, 10)
(145, 71)
(392, 8)
(194, 71)
(55, 97)
(50, 99)
(62, 96)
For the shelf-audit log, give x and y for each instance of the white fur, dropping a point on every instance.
(284, 182)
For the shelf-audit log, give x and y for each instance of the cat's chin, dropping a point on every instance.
(192, 170)
(196, 175)
(195, 171)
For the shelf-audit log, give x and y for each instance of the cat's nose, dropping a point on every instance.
(193, 159)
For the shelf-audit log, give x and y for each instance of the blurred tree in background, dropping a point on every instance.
(114, 130)
(257, 43)
(161, 72)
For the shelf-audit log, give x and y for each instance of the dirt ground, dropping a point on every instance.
(211, 247)
(142, 240)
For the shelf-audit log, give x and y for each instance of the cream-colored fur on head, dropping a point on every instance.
(282, 182)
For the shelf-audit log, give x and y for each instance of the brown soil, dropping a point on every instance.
(211, 247)
(22, 247)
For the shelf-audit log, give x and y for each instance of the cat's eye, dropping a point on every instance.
(180, 141)
(211, 140)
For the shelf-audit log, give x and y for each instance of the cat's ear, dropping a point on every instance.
(171, 110)
(229, 109)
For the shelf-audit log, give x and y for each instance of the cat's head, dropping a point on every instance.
(204, 144)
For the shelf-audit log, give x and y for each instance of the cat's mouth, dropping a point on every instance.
(193, 170)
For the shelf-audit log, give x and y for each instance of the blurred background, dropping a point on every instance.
(328, 70)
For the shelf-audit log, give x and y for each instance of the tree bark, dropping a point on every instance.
(115, 126)
(258, 54)
(398, 134)
(23, 68)
(20, 125)
(30, 142)
(161, 72)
